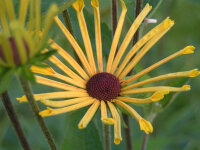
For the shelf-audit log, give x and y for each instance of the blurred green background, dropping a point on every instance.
(175, 128)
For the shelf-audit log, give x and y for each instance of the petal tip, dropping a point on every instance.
(146, 126)
(159, 95)
(95, 3)
(117, 141)
(194, 73)
(186, 87)
(22, 99)
(46, 112)
(78, 5)
(107, 121)
(188, 50)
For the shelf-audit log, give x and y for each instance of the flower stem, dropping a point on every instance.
(106, 131)
(114, 16)
(29, 94)
(14, 120)
(144, 141)
(127, 133)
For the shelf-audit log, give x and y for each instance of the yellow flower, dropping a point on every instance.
(91, 85)
(20, 41)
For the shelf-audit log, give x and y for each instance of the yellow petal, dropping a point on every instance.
(43, 70)
(129, 36)
(10, 9)
(89, 115)
(104, 116)
(55, 95)
(188, 50)
(161, 62)
(98, 41)
(52, 112)
(78, 6)
(192, 73)
(117, 123)
(56, 84)
(159, 95)
(63, 103)
(116, 37)
(3, 19)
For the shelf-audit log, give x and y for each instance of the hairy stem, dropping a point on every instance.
(106, 135)
(29, 94)
(14, 120)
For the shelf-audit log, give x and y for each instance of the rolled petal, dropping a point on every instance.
(52, 112)
(116, 37)
(162, 26)
(117, 123)
(55, 95)
(66, 69)
(104, 116)
(191, 74)
(63, 103)
(129, 36)
(78, 6)
(69, 59)
(89, 115)
(144, 125)
(95, 4)
(75, 45)
(56, 84)
(49, 71)
(166, 26)
(186, 50)
(156, 88)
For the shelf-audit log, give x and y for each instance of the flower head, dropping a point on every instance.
(101, 87)
(21, 41)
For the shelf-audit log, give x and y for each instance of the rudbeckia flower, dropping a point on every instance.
(20, 38)
(90, 84)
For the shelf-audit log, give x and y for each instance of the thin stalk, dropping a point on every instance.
(144, 141)
(114, 16)
(127, 133)
(29, 94)
(14, 120)
(68, 24)
(106, 135)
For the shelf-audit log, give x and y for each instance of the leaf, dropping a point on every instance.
(6, 76)
(86, 139)
(171, 96)
(26, 72)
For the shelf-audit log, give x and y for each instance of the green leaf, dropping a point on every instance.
(86, 139)
(26, 72)
(6, 76)
(171, 96)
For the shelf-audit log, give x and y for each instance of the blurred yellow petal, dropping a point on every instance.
(146, 126)
(10, 9)
(23, 10)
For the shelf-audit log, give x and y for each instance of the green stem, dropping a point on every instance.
(106, 131)
(29, 94)
(14, 120)
(127, 133)
(144, 141)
